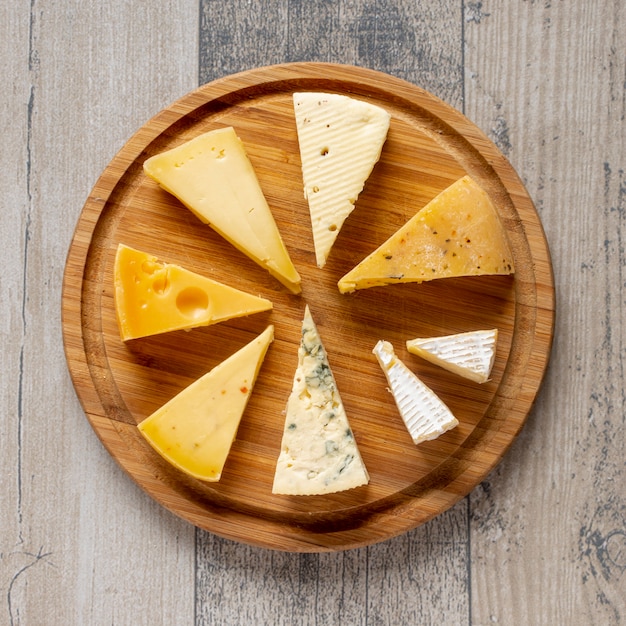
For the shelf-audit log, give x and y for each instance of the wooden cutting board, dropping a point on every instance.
(429, 146)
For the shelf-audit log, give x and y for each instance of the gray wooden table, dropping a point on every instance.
(541, 541)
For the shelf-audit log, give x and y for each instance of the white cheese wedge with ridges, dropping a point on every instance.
(341, 139)
(319, 454)
(423, 412)
(470, 354)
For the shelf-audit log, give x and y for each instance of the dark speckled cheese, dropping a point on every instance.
(458, 233)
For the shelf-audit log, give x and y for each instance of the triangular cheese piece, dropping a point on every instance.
(153, 297)
(194, 431)
(213, 177)
(424, 414)
(340, 140)
(319, 454)
(458, 233)
(470, 354)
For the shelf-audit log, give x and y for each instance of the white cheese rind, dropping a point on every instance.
(470, 354)
(424, 414)
(319, 454)
(340, 141)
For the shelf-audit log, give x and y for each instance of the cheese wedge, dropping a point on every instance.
(319, 454)
(153, 297)
(424, 414)
(213, 177)
(194, 431)
(340, 141)
(458, 233)
(470, 354)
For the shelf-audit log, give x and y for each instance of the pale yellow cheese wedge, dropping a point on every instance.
(195, 430)
(340, 141)
(424, 414)
(153, 297)
(319, 454)
(458, 233)
(213, 177)
(470, 354)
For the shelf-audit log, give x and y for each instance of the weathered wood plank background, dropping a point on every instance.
(542, 541)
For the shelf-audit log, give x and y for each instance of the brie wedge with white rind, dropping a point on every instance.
(319, 454)
(340, 141)
(470, 354)
(424, 414)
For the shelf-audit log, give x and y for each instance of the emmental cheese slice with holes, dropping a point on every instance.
(195, 430)
(458, 233)
(340, 140)
(423, 412)
(319, 454)
(213, 177)
(470, 354)
(153, 297)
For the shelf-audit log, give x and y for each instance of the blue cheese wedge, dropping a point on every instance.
(424, 414)
(340, 140)
(470, 354)
(319, 454)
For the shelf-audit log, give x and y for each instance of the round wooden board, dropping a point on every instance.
(429, 146)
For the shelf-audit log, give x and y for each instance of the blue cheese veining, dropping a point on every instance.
(319, 454)
(423, 412)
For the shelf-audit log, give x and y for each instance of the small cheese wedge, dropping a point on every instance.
(153, 297)
(470, 354)
(213, 177)
(424, 414)
(458, 233)
(340, 140)
(195, 430)
(319, 454)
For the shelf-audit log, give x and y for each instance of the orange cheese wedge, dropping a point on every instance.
(153, 297)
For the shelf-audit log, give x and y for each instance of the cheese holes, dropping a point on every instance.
(160, 280)
(161, 284)
(192, 302)
(149, 267)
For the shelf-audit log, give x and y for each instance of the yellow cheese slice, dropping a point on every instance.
(470, 354)
(153, 297)
(458, 233)
(213, 177)
(195, 430)
(319, 454)
(340, 141)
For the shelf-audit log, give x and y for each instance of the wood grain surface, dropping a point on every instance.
(428, 147)
(539, 541)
